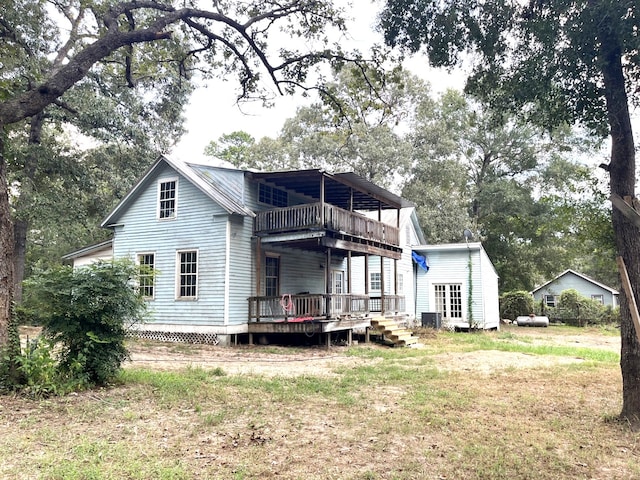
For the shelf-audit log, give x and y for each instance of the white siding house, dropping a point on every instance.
(237, 252)
(549, 292)
(461, 285)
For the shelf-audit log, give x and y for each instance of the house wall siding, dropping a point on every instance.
(490, 291)
(452, 267)
(443, 268)
(200, 225)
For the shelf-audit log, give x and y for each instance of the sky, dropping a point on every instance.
(212, 111)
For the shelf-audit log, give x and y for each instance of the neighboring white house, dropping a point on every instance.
(461, 285)
(90, 254)
(550, 291)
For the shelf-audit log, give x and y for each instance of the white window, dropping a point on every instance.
(448, 299)
(187, 274)
(146, 275)
(167, 198)
(272, 276)
(400, 283)
(551, 300)
(375, 282)
(598, 298)
(272, 196)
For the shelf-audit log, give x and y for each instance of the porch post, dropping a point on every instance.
(328, 284)
(322, 219)
(395, 284)
(382, 311)
(258, 275)
(367, 307)
(349, 273)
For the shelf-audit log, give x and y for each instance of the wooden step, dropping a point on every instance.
(393, 332)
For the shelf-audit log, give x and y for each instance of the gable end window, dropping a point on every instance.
(272, 196)
(146, 279)
(598, 298)
(167, 198)
(187, 275)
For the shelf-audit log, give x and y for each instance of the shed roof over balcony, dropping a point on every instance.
(339, 189)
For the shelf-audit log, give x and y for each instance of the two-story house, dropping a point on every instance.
(231, 252)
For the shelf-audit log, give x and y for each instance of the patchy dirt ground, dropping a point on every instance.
(291, 361)
(402, 427)
(271, 361)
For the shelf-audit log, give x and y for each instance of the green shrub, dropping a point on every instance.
(86, 313)
(39, 369)
(575, 309)
(516, 303)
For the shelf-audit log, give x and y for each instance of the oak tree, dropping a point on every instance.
(553, 62)
(241, 40)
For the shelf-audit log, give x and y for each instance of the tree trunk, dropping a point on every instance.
(22, 215)
(6, 250)
(622, 182)
(20, 229)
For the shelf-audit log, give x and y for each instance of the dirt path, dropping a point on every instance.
(292, 361)
(272, 361)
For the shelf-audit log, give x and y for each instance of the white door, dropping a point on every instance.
(448, 302)
(337, 289)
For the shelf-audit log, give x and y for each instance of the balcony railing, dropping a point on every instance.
(312, 306)
(310, 216)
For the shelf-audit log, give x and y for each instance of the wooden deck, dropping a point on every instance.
(308, 307)
(318, 216)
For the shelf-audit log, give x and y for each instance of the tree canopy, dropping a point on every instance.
(62, 58)
(551, 62)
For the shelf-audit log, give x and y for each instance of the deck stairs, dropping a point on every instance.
(393, 332)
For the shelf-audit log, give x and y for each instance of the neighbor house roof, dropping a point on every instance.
(88, 250)
(584, 277)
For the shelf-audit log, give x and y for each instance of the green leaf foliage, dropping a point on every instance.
(515, 303)
(87, 313)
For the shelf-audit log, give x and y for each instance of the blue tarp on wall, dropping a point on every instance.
(421, 261)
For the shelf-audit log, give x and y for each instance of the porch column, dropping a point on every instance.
(258, 276)
(382, 311)
(328, 284)
(366, 274)
(322, 219)
(349, 273)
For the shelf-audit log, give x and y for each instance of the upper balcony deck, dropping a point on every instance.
(318, 217)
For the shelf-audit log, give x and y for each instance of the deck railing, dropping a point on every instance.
(310, 216)
(311, 306)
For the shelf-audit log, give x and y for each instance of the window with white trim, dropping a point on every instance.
(146, 275)
(272, 276)
(551, 300)
(375, 282)
(448, 300)
(400, 283)
(598, 298)
(167, 198)
(272, 196)
(187, 281)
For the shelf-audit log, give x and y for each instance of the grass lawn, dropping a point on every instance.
(545, 409)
